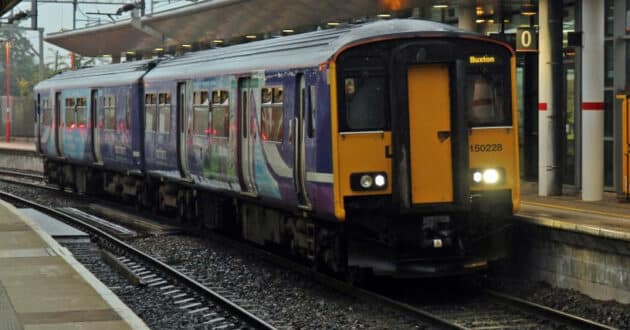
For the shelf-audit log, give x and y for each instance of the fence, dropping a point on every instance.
(22, 117)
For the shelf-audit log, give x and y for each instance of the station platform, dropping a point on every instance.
(18, 144)
(609, 218)
(43, 287)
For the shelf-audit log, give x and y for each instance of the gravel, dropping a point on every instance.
(287, 299)
(607, 312)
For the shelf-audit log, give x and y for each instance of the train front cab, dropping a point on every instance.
(427, 166)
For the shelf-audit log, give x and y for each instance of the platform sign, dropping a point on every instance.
(526, 40)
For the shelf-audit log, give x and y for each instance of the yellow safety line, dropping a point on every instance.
(567, 208)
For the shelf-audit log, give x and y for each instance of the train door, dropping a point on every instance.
(58, 129)
(246, 106)
(299, 165)
(38, 119)
(96, 139)
(182, 129)
(431, 161)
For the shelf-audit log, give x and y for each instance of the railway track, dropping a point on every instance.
(488, 310)
(191, 296)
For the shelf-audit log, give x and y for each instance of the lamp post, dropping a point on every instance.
(7, 123)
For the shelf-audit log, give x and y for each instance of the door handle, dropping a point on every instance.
(443, 135)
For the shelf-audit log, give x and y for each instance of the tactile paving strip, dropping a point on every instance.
(8, 318)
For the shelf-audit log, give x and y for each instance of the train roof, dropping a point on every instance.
(99, 76)
(296, 51)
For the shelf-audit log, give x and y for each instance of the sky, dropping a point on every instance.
(55, 17)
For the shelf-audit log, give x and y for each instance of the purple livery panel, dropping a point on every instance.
(119, 131)
(75, 126)
(160, 129)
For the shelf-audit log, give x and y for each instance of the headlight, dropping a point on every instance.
(491, 176)
(477, 177)
(379, 180)
(366, 181)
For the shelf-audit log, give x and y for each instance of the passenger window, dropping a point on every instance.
(486, 95)
(109, 106)
(220, 114)
(164, 108)
(201, 113)
(272, 114)
(46, 112)
(312, 111)
(365, 102)
(128, 113)
(70, 114)
(81, 113)
(150, 107)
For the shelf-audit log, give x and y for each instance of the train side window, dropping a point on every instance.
(272, 114)
(164, 111)
(150, 107)
(220, 114)
(70, 113)
(128, 113)
(81, 109)
(312, 111)
(109, 107)
(46, 112)
(201, 113)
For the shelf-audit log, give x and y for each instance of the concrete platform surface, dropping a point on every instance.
(43, 287)
(609, 218)
(22, 145)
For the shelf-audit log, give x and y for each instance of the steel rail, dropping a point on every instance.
(4, 171)
(113, 242)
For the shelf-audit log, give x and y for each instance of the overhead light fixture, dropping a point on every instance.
(217, 41)
(107, 55)
(250, 36)
(479, 11)
(384, 15)
(159, 49)
(288, 31)
(529, 9)
(479, 20)
(130, 52)
(186, 46)
(333, 23)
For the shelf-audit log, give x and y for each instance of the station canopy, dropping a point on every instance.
(214, 20)
(6, 5)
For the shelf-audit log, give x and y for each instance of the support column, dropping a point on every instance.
(550, 124)
(592, 100)
(466, 16)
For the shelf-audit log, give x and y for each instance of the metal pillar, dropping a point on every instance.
(550, 123)
(592, 100)
(620, 58)
(7, 123)
(466, 16)
(41, 53)
(34, 14)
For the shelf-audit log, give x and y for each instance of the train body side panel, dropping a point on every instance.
(75, 130)
(211, 158)
(160, 146)
(120, 145)
(46, 128)
(319, 177)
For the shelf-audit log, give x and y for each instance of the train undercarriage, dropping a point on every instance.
(420, 245)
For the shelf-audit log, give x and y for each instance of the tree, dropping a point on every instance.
(24, 68)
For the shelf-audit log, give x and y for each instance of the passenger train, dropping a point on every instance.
(389, 147)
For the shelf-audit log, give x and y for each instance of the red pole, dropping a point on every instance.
(7, 130)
